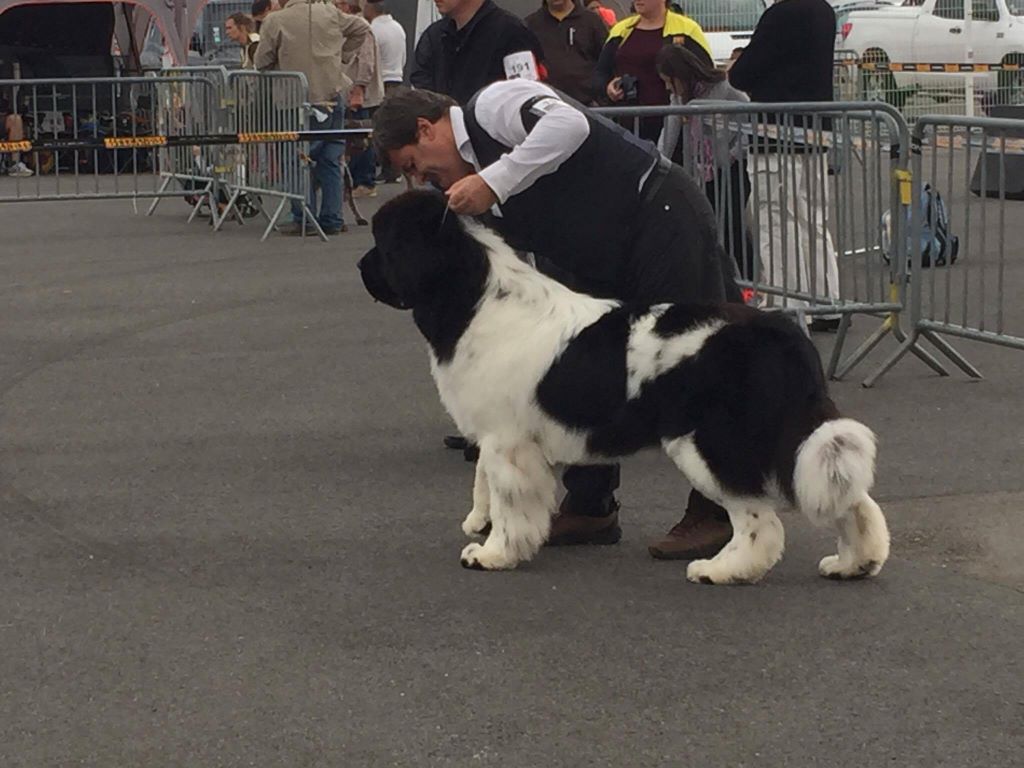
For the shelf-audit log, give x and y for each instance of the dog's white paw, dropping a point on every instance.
(710, 572)
(832, 567)
(480, 557)
(475, 523)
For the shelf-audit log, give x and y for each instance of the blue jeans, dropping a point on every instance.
(363, 165)
(326, 172)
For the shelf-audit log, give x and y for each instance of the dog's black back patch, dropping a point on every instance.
(587, 383)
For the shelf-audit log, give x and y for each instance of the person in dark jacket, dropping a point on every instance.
(461, 53)
(789, 58)
(572, 38)
(581, 193)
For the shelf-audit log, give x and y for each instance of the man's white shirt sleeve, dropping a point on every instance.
(559, 132)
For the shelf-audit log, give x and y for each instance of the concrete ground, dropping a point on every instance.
(229, 536)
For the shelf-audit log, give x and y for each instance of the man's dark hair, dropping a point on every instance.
(260, 6)
(394, 124)
(243, 21)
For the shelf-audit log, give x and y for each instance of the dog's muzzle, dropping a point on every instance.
(373, 278)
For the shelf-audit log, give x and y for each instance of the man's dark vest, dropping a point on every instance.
(581, 217)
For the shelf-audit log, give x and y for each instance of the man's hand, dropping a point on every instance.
(470, 196)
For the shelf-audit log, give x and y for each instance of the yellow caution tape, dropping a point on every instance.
(250, 138)
(15, 146)
(132, 142)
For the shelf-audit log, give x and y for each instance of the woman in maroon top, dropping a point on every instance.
(632, 45)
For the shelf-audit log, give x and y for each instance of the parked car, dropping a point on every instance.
(935, 32)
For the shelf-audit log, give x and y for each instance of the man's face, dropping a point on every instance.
(433, 159)
(234, 31)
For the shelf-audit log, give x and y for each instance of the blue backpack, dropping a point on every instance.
(937, 247)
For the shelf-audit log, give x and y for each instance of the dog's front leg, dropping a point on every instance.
(480, 516)
(522, 500)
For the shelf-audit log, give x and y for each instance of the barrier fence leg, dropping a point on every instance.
(840, 370)
(951, 352)
(907, 344)
(919, 351)
(837, 349)
(204, 193)
(156, 200)
(217, 222)
(273, 219)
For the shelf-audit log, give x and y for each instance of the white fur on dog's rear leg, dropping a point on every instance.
(863, 543)
(480, 515)
(758, 540)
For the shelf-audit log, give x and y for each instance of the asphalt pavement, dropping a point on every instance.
(229, 536)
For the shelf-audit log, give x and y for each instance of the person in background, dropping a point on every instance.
(259, 11)
(626, 71)
(312, 38)
(572, 38)
(715, 148)
(14, 130)
(461, 53)
(607, 14)
(732, 58)
(390, 37)
(242, 29)
(366, 94)
(789, 58)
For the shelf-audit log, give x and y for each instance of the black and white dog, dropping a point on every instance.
(540, 375)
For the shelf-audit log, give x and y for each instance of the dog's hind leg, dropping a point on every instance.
(522, 500)
(758, 538)
(863, 543)
(480, 516)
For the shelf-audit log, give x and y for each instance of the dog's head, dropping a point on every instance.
(417, 244)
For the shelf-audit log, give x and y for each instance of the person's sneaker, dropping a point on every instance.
(568, 529)
(364, 192)
(334, 230)
(697, 536)
(20, 171)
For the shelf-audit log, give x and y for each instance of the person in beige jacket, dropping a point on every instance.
(314, 38)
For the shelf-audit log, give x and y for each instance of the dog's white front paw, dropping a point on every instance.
(710, 572)
(480, 557)
(833, 567)
(475, 523)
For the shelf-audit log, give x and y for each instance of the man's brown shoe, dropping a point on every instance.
(580, 529)
(697, 536)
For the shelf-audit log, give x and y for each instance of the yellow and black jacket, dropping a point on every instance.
(678, 30)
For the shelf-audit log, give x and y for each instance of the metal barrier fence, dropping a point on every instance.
(231, 142)
(100, 135)
(798, 192)
(977, 165)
